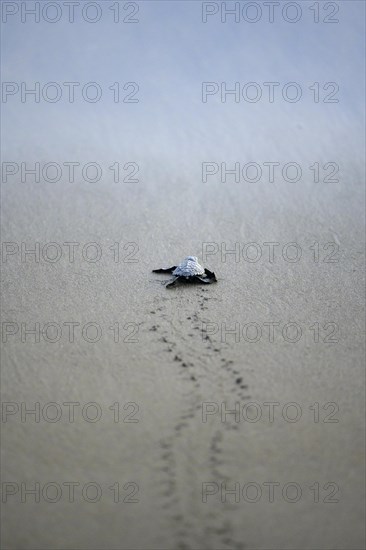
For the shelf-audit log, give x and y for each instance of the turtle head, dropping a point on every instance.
(192, 258)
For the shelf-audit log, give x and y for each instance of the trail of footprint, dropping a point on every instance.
(183, 349)
(220, 523)
(172, 342)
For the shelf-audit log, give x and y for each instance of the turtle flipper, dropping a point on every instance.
(173, 282)
(165, 270)
(210, 275)
(205, 280)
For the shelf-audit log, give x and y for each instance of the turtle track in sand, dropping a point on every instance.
(200, 363)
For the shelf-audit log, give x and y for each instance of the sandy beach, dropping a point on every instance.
(223, 416)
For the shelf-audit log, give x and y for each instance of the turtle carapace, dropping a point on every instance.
(188, 271)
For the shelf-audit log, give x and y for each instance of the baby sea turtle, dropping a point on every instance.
(188, 271)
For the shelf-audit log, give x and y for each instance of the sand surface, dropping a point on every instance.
(173, 357)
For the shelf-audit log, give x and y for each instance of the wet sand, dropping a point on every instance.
(166, 363)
